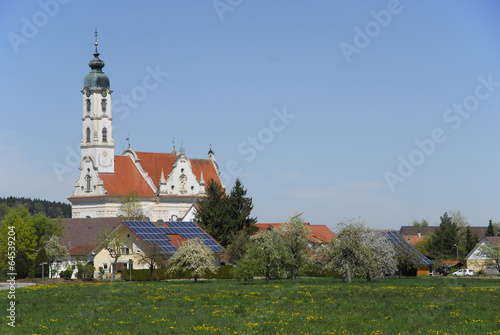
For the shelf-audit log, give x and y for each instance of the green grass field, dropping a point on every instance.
(310, 306)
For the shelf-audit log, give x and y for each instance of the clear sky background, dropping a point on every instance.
(362, 84)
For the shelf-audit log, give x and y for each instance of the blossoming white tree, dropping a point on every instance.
(193, 256)
(360, 251)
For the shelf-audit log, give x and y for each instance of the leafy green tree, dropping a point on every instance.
(296, 240)
(212, 213)
(25, 232)
(45, 228)
(443, 241)
(41, 257)
(421, 223)
(240, 244)
(131, 208)
(193, 256)
(266, 257)
(85, 271)
(492, 252)
(490, 231)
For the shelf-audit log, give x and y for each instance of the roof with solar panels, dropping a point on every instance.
(400, 245)
(171, 235)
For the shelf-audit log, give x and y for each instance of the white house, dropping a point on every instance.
(479, 262)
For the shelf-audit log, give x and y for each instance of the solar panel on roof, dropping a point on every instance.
(403, 246)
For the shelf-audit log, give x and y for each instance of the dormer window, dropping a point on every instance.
(104, 135)
(103, 105)
(88, 135)
(88, 105)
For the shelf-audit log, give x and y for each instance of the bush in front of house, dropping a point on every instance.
(85, 272)
(66, 274)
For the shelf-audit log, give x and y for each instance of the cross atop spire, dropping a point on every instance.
(95, 35)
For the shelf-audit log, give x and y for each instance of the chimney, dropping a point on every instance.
(419, 235)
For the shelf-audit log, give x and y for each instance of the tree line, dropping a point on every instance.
(51, 209)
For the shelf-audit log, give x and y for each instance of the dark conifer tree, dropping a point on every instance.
(490, 231)
(442, 244)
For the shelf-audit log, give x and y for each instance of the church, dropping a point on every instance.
(168, 185)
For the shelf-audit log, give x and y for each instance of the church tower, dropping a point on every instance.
(97, 145)
(97, 131)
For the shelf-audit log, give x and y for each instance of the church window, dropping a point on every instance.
(88, 179)
(88, 105)
(88, 134)
(104, 134)
(103, 104)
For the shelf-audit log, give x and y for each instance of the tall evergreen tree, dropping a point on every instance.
(239, 209)
(490, 231)
(471, 240)
(442, 244)
(212, 214)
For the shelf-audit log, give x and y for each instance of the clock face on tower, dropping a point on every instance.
(88, 93)
(104, 93)
(104, 159)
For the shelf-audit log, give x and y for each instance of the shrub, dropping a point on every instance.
(66, 274)
(41, 257)
(22, 264)
(85, 272)
(224, 272)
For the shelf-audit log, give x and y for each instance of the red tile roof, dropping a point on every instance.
(80, 236)
(125, 179)
(320, 233)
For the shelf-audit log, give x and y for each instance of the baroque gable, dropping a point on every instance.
(89, 183)
(182, 180)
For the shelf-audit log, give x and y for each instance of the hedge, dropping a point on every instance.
(224, 272)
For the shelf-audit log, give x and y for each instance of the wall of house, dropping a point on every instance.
(423, 271)
(134, 244)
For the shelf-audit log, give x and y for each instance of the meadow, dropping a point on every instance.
(443, 305)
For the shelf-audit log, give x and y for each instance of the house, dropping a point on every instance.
(476, 261)
(415, 234)
(138, 236)
(319, 233)
(424, 266)
(80, 237)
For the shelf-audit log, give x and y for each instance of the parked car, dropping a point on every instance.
(463, 272)
(443, 271)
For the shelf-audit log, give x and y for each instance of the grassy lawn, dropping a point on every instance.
(311, 306)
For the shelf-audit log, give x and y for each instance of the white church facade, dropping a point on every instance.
(167, 184)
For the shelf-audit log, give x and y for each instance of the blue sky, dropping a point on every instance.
(386, 111)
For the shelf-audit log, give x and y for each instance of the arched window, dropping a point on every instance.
(103, 104)
(88, 134)
(88, 105)
(104, 134)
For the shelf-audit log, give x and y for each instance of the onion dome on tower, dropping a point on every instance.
(96, 79)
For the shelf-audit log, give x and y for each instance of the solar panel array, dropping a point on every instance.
(402, 246)
(151, 234)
